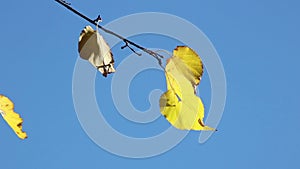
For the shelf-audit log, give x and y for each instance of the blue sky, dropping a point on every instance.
(257, 42)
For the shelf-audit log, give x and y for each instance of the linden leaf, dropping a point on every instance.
(12, 118)
(93, 47)
(181, 107)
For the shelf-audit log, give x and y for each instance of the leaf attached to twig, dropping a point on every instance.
(180, 105)
(93, 47)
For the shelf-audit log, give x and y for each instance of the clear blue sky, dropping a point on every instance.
(258, 43)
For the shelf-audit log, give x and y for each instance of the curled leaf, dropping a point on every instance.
(93, 47)
(12, 118)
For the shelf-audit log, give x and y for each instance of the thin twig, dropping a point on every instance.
(126, 45)
(157, 56)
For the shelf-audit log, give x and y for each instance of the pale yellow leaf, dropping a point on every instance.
(93, 47)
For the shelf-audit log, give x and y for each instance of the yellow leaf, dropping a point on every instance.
(181, 107)
(93, 47)
(188, 63)
(12, 118)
